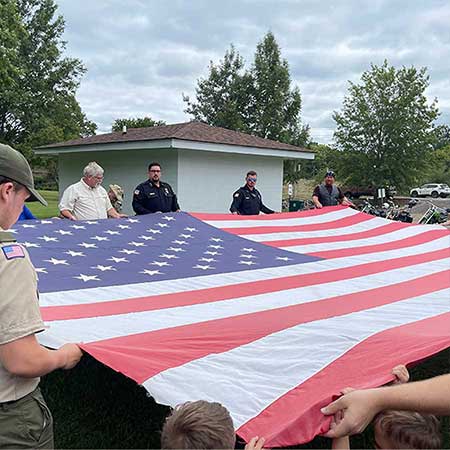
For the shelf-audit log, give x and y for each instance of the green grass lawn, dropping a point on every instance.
(44, 212)
(96, 407)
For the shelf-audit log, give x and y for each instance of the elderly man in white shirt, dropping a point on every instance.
(87, 199)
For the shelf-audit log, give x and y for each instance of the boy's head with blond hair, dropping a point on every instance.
(198, 425)
(405, 429)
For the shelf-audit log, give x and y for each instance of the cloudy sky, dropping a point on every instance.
(141, 55)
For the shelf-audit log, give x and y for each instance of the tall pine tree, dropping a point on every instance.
(276, 107)
(260, 101)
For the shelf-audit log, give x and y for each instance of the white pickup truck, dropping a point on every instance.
(434, 189)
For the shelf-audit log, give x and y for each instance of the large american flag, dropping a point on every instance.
(269, 315)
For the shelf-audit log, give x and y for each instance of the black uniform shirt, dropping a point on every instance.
(149, 198)
(248, 202)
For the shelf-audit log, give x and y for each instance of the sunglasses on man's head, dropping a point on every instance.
(252, 180)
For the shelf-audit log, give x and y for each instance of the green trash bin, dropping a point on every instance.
(296, 205)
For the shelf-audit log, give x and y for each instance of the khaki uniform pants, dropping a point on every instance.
(26, 423)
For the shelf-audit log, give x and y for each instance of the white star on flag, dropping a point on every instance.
(168, 218)
(248, 263)
(151, 272)
(215, 246)
(247, 256)
(186, 236)
(179, 242)
(100, 238)
(103, 268)
(133, 220)
(165, 255)
(176, 249)
(282, 258)
(208, 259)
(46, 222)
(147, 238)
(117, 260)
(86, 245)
(48, 239)
(216, 239)
(40, 270)
(26, 225)
(86, 278)
(30, 244)
(111, 232)
(137, 244)
(78, 227)
(212, 253)
(123, 227)
(248, 250)
(129, 252)
(150, 230)
(64, 232)
(57, 262)
(199, 266)
(162, 225)
(190, 229)
(91, 222)
(159, 263)
(72, 253)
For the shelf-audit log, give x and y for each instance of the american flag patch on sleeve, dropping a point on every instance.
(13, 251)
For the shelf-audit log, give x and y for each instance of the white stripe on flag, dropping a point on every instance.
(321, 218)
(300, 352)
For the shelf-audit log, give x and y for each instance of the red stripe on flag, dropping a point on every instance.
(338, 223)
(263, 217)
(141, 356)
(384, 229)
(295, 418)
(422, 238)
(200, 296)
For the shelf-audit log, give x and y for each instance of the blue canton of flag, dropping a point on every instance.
(96, 253)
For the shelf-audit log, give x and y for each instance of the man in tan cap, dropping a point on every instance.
(25, 420)
(115, 195)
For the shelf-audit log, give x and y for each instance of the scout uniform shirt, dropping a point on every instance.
(19, 310)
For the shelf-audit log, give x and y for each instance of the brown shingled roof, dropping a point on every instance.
(190, 131)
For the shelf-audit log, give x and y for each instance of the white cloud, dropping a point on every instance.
(142, 54)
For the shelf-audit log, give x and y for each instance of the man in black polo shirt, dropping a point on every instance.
(153, 195)
(328, 194)
(247, 200)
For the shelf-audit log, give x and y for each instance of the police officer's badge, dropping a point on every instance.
(136, 192)
(166, 190)
(237, 194)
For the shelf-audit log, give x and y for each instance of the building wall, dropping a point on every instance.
(126, 168)
(207, 180)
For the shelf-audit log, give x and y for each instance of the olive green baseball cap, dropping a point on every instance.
(14, 166)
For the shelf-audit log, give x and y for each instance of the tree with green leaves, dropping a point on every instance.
(276, 106)
(260, 101)
(442, 136)
(138, 122)
(37, 84)
(222, 99)
(385, 128)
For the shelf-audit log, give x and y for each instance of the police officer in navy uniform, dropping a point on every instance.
(247, 200)
(153, 195)
(328, 194)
